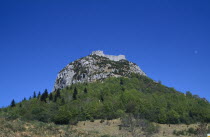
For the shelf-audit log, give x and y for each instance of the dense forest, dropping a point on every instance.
(109, 99)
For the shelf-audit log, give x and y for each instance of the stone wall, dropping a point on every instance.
(111, 57)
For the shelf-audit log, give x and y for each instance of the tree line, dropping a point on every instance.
(110, 99)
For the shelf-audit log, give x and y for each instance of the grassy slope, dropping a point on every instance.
(108, 128)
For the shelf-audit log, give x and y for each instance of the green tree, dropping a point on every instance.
(44, 96)
(75, 93)
(101, 98)
(85, 90)
(34, 96)
(50, 97)
(173, 117)
(121, 82)
(13, 103)
(189, 94)
(39, 95)
(62, 101)
(57, 95)
(62, 117)
(162, 118)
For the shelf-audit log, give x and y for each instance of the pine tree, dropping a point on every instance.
(75, 93)
(39, 95)
(62, 101)
(121, 82)
(24, 99)
(34, 96)
(29, 98)
(20, 105)
(13, 103)
(44, 96)
(102, 98)
(57, 95)
(46, 91)
(85, 90)
(50, 97)
(55, 99)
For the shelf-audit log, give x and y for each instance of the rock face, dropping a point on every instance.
(96, 66)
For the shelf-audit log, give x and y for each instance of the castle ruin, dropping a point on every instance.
(111, 57)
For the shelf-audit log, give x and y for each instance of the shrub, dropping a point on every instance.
(181, 132)
(152, 128)
(102, 120)
(12, 115)
(91, 119)
(63, 117)
(73, 121)
(191, 130)
(132, 123)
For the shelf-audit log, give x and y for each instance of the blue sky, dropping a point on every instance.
(169, 40)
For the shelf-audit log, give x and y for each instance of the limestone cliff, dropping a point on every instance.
(96, 66)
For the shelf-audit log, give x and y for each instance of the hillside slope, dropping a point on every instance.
(104, 87)
(113, 98)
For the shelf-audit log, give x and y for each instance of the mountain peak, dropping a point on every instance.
(96, 66)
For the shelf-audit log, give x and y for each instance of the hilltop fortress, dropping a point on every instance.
(95, 67)
(111, 57)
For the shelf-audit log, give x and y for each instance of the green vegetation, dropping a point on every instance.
(13, 103)
(110, 99)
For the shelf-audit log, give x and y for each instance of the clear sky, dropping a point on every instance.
(168, 39)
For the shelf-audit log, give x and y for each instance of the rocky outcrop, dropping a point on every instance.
(96, 66)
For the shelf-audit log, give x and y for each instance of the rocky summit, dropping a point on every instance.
(96, 66)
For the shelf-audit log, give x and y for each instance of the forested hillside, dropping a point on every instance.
(110, 99)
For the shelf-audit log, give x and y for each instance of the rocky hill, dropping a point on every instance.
(122, 93)
(96, 66)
